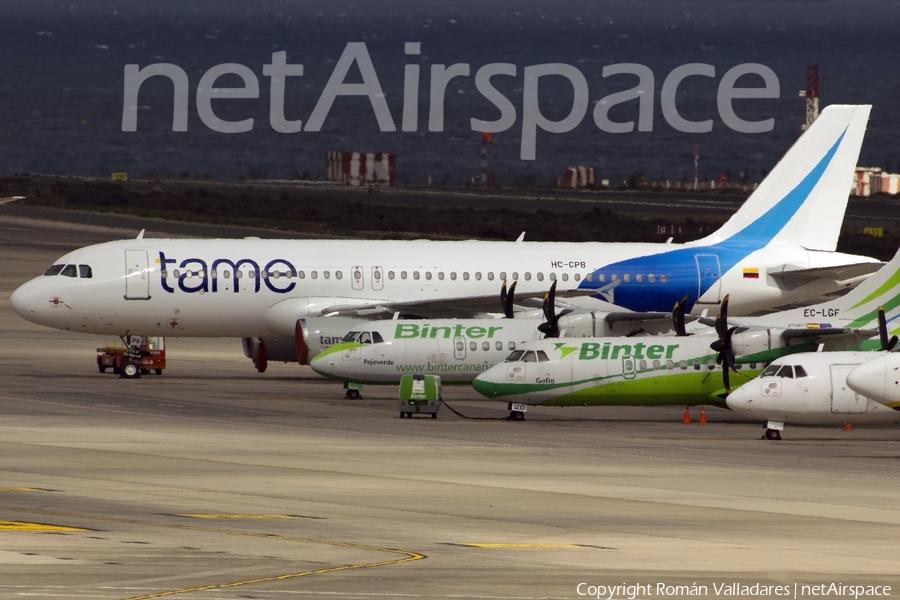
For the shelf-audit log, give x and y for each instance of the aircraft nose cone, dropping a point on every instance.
(484, 386)
(869, 379)
(22, 301)
(739, 400)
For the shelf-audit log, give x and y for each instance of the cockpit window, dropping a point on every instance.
(784, 371)
(376, 338)
(542, 356)
(770, 371)
(85, 272)
(529, 357)
(350, 337)
(515, 356)
(69, 271)
(365, 338)
(54, 270)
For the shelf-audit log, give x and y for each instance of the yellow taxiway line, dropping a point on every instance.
(405, 555)
(239, 516)
(25, 526)
(492, 545)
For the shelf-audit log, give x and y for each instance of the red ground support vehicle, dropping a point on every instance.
(134, 356)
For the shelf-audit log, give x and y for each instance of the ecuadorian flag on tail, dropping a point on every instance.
(752, 273)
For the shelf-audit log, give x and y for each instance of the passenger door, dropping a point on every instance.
(709, 277)
(137, 275)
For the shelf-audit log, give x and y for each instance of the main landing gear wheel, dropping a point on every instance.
(353, 394)
(516, 415)
(772, 434)
(130, 370)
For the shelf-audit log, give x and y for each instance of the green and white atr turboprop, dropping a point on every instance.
(689, 369)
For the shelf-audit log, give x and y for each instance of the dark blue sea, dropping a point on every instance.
(63, 64)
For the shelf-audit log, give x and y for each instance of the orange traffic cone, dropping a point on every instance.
(848, 426)
(686, 420)
(702, 420)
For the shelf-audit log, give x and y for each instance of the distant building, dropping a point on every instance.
(360, 168)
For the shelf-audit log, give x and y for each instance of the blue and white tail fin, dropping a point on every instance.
(803, 199)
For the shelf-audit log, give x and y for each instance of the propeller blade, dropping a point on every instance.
(503, 295)
(722, 319)
(678, 318)
(726, 380)
(551, 299)
(550, 326)
(510, 297)
(882, 330)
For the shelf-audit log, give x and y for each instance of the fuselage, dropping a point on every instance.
(811, 389)
(253, 287)
(651, 370)
(455, 349)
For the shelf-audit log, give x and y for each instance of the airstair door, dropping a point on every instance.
(356, 278)
(137, 275)
(709, 277)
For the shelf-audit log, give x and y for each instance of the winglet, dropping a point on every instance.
(140, 236)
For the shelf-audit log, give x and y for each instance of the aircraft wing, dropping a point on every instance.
(652, 323)
(833, 338)
(459, 307)
(838, 273)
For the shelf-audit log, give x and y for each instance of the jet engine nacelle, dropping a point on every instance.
(262, 350)
(315, 334)
(281, 318)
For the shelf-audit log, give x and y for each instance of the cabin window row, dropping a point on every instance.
(365, 337)
(626, 277)
(403, 275)
(670, 365)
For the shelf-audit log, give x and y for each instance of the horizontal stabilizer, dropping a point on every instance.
(834, 338)
(838, 273)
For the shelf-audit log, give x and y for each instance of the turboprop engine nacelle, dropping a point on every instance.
(765, 345)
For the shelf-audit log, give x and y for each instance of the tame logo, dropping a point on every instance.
(201, 279)
(412, 330)
(593, 350)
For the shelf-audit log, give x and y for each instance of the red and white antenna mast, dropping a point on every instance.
(811, 93)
